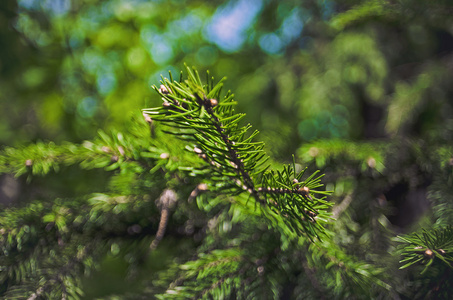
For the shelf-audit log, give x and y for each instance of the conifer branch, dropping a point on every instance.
(233, 154)
(59, 277)
(428, 247)
(198, 114)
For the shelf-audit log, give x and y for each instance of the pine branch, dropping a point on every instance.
(39, 240)
(369, 155)
(60, 280)
(346, 274)
(205, 275)
(431, 252)
(132, 150)
(196, 114)
(428, 246)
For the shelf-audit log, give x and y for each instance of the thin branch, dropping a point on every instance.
(200, 188)
(342, 206)
(234, 157)
(166, 201)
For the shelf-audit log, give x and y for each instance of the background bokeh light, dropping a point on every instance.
(70, 67)
(338, 83)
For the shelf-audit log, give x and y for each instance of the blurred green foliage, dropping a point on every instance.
(301, 70)
(360, 89)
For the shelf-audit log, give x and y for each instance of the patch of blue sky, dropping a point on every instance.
(271, 43)
(228, 26)
(87, 107)
(103, 67)
(94, 17)
(159, 46)
(186, 25)
(147, 34)
(106, 82)
(28, 4)
(292, 26)
(52, 7)
(92, 60)
(59, 7)
(161, 50)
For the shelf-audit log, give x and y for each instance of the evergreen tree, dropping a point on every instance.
(257, 232)
(186, 203)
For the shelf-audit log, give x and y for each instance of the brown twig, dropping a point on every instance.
(338, 209)
(166, 201)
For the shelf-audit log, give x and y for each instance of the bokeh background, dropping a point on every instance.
(303, 71)
(298, 70)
